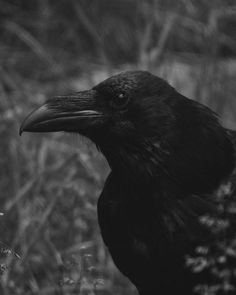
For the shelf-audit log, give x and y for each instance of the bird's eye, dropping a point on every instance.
(120, 101)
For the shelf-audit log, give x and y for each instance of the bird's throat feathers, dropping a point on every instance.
(139, 162)
(197, 157)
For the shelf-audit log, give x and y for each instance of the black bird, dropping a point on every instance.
(168, 155)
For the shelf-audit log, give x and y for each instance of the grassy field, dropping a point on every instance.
(50, 183)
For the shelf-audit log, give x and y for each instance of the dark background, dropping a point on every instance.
(50, 183)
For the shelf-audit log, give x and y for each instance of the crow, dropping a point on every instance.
(168, 155)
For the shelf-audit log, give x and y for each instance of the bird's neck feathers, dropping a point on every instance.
(195, 153)
(140, 163)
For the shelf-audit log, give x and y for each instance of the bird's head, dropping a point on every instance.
(118, 114)
(140, 122)
(123, 106)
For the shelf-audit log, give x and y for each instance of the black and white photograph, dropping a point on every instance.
(117, 147)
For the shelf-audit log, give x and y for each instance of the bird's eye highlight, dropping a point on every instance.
(120, 101)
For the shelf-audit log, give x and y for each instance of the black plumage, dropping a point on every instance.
(168, 155)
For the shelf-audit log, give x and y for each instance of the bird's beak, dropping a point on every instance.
(71, 113)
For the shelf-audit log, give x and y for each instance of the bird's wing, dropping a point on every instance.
(183, 210)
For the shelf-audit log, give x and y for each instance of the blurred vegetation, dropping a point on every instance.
(50, 183)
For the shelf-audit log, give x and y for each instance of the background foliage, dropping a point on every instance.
(50, 183)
